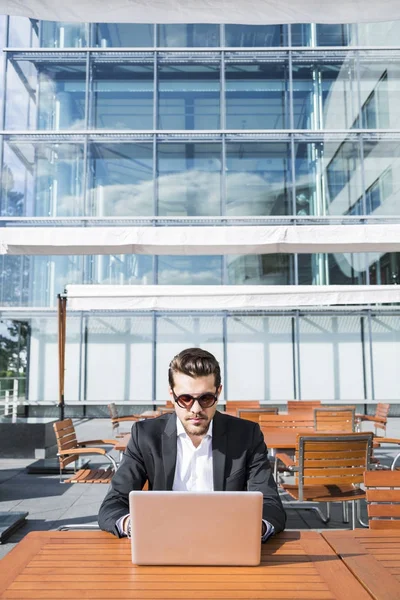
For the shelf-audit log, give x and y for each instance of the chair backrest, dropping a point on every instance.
(381, 412)
(112, 409)
(383, 499)
(253, 414)
(302, 405)
(332, 459)
(235, 404)
(299, 421)
(338, 420)
(66, 439)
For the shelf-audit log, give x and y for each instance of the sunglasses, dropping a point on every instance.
(186, 400)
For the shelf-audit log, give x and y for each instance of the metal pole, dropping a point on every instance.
(61, 352)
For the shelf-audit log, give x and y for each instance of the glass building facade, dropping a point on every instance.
(122, 122)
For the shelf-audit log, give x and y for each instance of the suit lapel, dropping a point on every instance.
(219, 442)
(169, 451)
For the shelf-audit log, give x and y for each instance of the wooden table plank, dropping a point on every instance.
(369, 556)
(82, 564)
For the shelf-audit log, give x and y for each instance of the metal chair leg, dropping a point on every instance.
(308, 506)
(345, 512)
(362, 523)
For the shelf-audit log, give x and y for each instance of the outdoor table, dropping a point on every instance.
(93, 564)
(372, 556)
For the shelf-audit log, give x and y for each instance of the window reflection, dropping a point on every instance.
(59, 34)
(188, 96)
(189, 270)
(382, 185)
(123, 35)
(258, 179)
(121, 179)
(43, 179)
(257, 95)
(122, 96)
(253, 36)
(189, 179)
(310, 193)
(324, 95)
(193, 35)
(332, 269)
(384, 269)
(342, 176)
(379, 84)
(122, 269)
(263, 269)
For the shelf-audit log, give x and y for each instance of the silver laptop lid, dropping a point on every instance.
(196, 528)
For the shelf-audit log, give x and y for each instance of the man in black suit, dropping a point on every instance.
(194, 449)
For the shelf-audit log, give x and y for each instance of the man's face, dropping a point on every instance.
(195, 420)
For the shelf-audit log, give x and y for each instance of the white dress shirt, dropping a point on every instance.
(194, 466)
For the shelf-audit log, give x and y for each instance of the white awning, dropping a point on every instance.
(197, 240)
(224, 297)
(206, 11)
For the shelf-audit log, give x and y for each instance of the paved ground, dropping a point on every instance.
(51, 503)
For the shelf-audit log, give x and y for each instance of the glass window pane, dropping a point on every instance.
(123, 35)
(261, 269)
(331, 358)
(325, 93)
(188, 96)
(121, 180)
(342, 176)
(15, 278)
(3, 44)
(258, 179)
(332, 269)
(257, 95)
(189, 270)
(382, 191)
(333, 35)
(122, 96)
(253, 36)
(379, 85)
(121, 269)
(384, 269)
(175, 333)
(385, 355)
(261, 347)
(14, 343)
(43, 360)
(46, 95)
(59, 34)
(379, 34)
(23, 32)
(193, 35)
(189, 179)
(42, 179)
(310, 193)
(119, 358)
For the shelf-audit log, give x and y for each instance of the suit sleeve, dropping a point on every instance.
(131, 475)
(261, 479)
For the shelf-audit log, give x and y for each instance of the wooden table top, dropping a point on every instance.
(93, 564)
(373, 556)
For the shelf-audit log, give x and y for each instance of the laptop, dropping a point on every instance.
(196, 528)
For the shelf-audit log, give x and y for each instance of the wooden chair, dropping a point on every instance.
(253, 414)
(380, 441)
(379, 419)
(382, 489)
(116, 419)
(299, 421)
(338, 420)
(329, 468)
(232, 406)
(302, 405)
(69, 450)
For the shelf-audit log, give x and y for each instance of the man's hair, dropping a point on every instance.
(194, 362)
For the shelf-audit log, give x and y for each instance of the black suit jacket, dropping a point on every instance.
(240, 462)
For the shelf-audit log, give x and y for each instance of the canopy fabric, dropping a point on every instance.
(197, 240)
(206, 11)
(224, 297)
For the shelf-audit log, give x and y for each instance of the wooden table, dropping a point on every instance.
(92, 564)
(373, 557)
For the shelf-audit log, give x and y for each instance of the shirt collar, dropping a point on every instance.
(181, 431)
